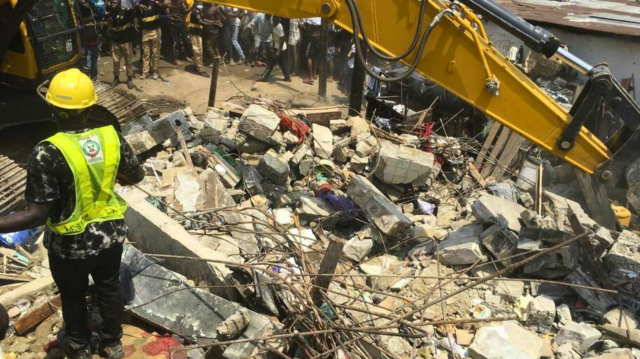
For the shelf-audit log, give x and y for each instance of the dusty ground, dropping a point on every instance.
(182, 83)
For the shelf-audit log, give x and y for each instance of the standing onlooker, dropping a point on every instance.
(195, 23)
(292, 45)
(314, 25)
(91, 39)
(180, 46)
(332, 50)
(232, 28)
(210, 34)
(277, 54)
(262, 33)
(120, 21)
(149, 16)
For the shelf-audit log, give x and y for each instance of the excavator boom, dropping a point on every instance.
(458, 55)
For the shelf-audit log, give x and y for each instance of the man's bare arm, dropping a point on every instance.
(34, 215)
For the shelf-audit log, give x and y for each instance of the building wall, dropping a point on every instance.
(621, 53)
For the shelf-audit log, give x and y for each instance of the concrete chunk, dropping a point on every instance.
(579, 335)
(620, 318)
(541, 313)
(358, 125)
(493, 209)
(623, 259)
(382, 212)
(259, 123)
(273, 167)
(502, 243)
(322, 141)
(153, 135)
(357, 249)
(462, 246)
(507, 341)
(311, 209)
(403, 165)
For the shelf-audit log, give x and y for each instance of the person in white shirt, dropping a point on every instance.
(278, 53)
(262, 32)
(293, 45)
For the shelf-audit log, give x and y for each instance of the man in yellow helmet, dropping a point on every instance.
(70, 187)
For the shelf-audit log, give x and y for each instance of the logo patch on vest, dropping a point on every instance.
(92, 150)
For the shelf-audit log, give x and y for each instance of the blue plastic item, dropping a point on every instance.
(14, 239)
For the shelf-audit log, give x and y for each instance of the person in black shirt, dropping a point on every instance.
(51, 198)
(149, 15)
(121, 21)
(91, 40)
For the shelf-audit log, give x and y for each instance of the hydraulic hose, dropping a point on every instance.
(382, 56)
(353, 9)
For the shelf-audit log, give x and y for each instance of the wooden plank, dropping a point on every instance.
(473, 171)
(185, 149)
(487, 144)
(37, 315)
(15, 277)
(597, 200)
(508, 154)
(327, 265)
(34, 286)
(497, 149)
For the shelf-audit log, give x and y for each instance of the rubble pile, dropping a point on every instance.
(264, 232)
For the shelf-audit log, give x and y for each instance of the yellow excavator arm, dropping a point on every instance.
(451, 48)
(459, 57)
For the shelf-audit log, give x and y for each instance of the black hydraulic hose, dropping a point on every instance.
(356, 31)
(382, 56)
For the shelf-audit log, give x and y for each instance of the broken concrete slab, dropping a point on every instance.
(358, 164)
(358, 125)
(623, 259)
(462, 246)
(191, 312)
(311, 209)
(399, 164)
(502, 243)
(506, 341)
(259, 123)
(623, 318)
(338, 126)
(541, 313)
(357, 249)
(189, 191)
(382, 212)
(274, 167)
(322, 141)
(598, 300)
(579, 335)
(154, 134)
(557, 264)
(155, 232)
(510, 290)
(493, 209)
(366, 146)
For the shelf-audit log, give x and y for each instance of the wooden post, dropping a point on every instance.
(592, 256)
(322, 60)
(185, 149)
(357, 86)
(327, 266)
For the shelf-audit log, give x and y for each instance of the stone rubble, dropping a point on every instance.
(392, 220)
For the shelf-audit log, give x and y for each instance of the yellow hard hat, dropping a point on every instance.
(71, 90)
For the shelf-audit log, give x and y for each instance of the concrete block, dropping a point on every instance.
(338, 126)
(366, 146)
(357, 249)
(493, 209)
(506, 341)
(623, 259)
(291, 198)
(252, 179)
(463, 246)
(247, 144)
(273, 167)
(563, 312)
(621, 318)
(290, 138)
(382, 212)
(541, 313)
(189, 191)
(502, 243)
(152, 135)
(579, 335)
(259, 123)
(358, 125)
(155, 232)
(403, 165)
(228, 138)
(510, 290)
(359, 164)
(311, 209)
(322, 141)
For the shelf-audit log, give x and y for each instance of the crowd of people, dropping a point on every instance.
(188, 31)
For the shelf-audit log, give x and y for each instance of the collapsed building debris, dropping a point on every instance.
(261, 232)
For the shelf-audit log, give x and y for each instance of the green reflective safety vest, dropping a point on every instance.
(93, 157)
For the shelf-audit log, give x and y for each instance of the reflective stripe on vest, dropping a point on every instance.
(93, 157)
(150, 18)
(120, 28)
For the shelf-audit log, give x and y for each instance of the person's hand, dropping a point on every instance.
(143, 7)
